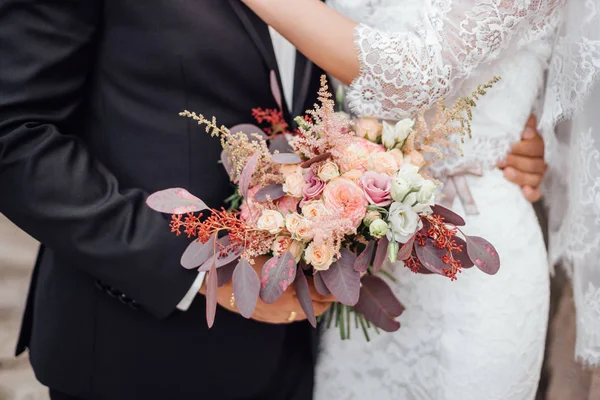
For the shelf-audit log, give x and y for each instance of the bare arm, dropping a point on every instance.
(320, 33)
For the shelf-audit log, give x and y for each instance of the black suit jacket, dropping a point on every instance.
(90, 93)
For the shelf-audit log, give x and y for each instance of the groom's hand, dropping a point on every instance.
(525, 165)
(286, 309)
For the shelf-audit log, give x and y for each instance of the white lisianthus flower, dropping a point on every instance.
(407, 180)
(404, 222)
(393, 135)
(271, 221)
(378, 228)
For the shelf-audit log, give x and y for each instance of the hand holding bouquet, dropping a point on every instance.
(337, 201)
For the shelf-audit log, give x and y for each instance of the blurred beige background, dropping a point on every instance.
(17, 256)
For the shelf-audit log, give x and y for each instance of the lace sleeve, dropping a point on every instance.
(403, 71)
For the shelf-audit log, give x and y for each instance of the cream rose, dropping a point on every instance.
(319, 256)
(293, 184)
(368, 128)
(289, 169)
(305, 230)
(353, 175)
(314, 209)
(281, 245)
(292, 221)
(328, 171)
(384, 163)
(271, 221)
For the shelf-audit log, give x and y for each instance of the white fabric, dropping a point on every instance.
(189, 297)
(571, 127)
(285, 53)
(480, 337)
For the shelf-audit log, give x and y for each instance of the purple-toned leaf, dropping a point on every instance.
(342, 280)
(175, 201)
(407, 248)
(246, 287)
(380, 254)
(246, 175)
(197, 253)
(364, 259)
(431, 256)
(303, 293)
(212, 285)
(271, 192)
(484, 255)
(462, 256)
(320, 157)
(449, 216)
(227, 164)
(222, 259)
(276, 90)
(225, 273)
(280, 144)
(249, 130)
(320, 286)
(378, 304)
(286, 158)
(277, 275)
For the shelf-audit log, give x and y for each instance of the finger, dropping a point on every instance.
(522, 178)
(531, 194)
(530, 130)
(535, 165)
(529, 147)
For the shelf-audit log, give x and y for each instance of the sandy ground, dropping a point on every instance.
(17, 255)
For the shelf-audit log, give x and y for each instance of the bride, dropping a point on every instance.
(481, 337)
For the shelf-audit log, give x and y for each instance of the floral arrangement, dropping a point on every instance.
(340, 200)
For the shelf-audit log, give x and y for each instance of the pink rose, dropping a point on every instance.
(313, 186)
(287, 205)
(377, 188)
(346, 199)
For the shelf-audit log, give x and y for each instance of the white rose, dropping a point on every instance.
(293, 184)
(319, 256)
(393, 135)
(328, 171)
(271, 221)
(314, 209)
(289, 169)
(404, 222)
(384, 163)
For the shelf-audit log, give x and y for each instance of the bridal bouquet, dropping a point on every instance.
(340, 200)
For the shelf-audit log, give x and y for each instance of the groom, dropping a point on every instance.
(89, 97)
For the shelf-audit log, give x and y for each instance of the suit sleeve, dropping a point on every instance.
(50, 184)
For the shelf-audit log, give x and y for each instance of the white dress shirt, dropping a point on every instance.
(285, 54)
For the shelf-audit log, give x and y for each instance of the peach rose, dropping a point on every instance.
(368, 128)
(354, 175)
(293, 184)
(415, 158)
(346, 198)
(398, 156)
(281, 245)
(355, 155)
(305, 230)
(319, 256)
(384, 163)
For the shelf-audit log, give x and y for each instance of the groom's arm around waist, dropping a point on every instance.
(50, 184)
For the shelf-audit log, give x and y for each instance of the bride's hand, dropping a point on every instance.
(285, 310)
(525, 165)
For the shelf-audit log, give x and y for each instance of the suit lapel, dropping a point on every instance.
(259, 33)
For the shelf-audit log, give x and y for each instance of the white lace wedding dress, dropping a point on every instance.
(481, 337)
